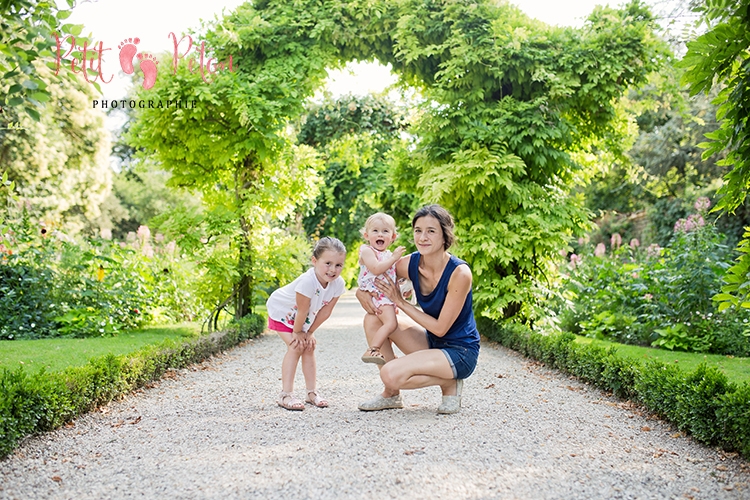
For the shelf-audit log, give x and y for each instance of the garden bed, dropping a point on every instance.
(702, 402)
(39, 401)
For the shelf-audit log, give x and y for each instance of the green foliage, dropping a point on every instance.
(247, 327)
(663, 215)
(27, 35)
(59, 160)
(720, 57)
(702, 402)
(655, 296)
(227, 148)
(500, 91)
(736, 291)
(38, 402)
(355, 136)
(496, 138)
(140, 194)
(52, 286)
(643, 193)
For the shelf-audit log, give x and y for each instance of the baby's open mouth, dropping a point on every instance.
(380, 242)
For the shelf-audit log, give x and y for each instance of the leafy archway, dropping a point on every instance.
(508, 104)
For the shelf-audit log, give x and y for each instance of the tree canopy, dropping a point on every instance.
(27, 35)
(59, 161)
(721, 57)
(507, 101)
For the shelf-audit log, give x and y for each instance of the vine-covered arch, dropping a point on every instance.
(510, 105)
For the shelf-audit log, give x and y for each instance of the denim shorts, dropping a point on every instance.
(462, 359)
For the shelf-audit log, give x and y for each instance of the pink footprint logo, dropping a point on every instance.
(148, 66)
(127, 51)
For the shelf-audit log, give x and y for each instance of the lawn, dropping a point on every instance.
(736, 369)
(58, 354)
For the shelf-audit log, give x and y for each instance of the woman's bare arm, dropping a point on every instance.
(459, 287)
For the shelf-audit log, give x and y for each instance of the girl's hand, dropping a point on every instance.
(310, 342)
(298, 343)
(365, 300)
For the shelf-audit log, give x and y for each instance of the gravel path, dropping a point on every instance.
(215, 431)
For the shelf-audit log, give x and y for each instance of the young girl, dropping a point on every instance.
(376, 260)
(295, 312)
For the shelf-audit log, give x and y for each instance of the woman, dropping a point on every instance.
(440, 341)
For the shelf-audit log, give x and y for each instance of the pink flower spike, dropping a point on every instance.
(600, 250)
(616, 240)
(634, 243)
(575, 260)
(696, 220)
(702, 204)
(144, 233)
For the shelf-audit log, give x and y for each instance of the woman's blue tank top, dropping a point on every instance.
(463, 332)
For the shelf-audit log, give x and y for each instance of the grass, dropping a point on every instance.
(736, 369)
(57, 354)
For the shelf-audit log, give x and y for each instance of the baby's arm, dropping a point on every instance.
(375, 266)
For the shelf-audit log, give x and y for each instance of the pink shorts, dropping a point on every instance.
(278, 326)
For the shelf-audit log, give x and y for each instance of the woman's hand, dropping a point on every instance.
(365, 300)
(389, 289)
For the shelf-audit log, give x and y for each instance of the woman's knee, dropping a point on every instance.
(390, 376)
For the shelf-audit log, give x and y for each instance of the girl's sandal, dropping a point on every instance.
(289, 402)
(373, 355)
(314, 399)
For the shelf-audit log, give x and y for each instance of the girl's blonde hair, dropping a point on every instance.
(390, 221)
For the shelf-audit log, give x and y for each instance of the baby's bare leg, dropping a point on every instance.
(388, 325)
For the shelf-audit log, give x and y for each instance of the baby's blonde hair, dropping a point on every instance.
(390, 221)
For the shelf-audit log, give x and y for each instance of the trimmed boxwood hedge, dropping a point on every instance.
(39, 402)
(702, 403)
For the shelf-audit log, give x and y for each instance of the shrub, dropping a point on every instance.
(701, 402)
(43, 401)
(51, 286)
(655, 296)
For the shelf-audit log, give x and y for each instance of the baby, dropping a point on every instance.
(376, 261)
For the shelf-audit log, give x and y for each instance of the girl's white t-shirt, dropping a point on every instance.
(282, 304)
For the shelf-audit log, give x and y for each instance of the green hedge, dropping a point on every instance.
(39, 402)
(703, 403)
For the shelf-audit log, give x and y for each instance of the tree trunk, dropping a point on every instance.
(245, 177)
(244, 289)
